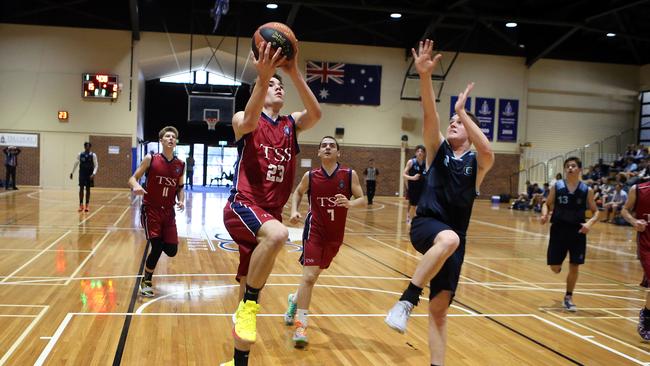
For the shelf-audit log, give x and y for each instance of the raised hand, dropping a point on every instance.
(462, 98)
(267, 63)
(424, 60)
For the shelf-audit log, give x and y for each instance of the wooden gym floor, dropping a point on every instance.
(67, 291)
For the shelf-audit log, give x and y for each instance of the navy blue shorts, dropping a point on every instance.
(566, 238)
(423, 232)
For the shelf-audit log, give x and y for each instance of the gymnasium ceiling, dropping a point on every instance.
(560, 29)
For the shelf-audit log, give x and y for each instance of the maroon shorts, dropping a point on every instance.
(644, 257)
(316, 252)
(159, 222)
(243, 221)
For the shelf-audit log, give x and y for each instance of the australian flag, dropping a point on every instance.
(341, 83)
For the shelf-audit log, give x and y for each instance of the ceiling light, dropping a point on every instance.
(610, 34)
(395, 15)
(511, 24)
(522, 46)
(271, 6)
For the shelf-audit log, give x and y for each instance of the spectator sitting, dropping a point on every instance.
(614, 205)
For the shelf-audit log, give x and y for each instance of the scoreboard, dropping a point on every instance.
(99, 86)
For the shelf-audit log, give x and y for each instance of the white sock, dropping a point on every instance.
(302, 316)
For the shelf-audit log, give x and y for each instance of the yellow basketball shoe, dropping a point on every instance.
(246, 321)
(229, 363)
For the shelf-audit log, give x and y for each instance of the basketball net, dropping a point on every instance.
(212, 122)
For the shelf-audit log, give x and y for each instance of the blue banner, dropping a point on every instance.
(508, 118)
(340, 83)
(484, 110)
(454, 98)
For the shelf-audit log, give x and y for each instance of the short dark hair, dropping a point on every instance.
(574, 159)
(330, 137)
(420, 147)
(277, 76)
(87, 144)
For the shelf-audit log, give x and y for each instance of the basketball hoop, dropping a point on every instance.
(212, 122)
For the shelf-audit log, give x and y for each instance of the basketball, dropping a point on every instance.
(279, 35)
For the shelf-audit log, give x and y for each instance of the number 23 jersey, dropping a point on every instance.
(266, 166)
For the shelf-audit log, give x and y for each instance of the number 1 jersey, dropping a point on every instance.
(266, 166)
(325, 221)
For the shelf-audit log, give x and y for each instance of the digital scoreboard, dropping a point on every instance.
(99, 86)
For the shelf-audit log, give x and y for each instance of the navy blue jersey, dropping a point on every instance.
(569, 207)
(416, 168)
(86, 163)
(450, 188)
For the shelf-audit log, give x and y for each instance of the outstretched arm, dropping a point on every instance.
(245, 121)
(425, 62)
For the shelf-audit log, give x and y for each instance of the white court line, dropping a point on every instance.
(121, 216)
(17, 316)
(546, 236)
(590, 340)
(116, 196)
(366, 225)
(91, 215)
(394, 248)
(53, 340)
(207, 237)
(142, 307)
(35, 257)
(46, 337)
(49, 250)
(92, 254)
(23, 335)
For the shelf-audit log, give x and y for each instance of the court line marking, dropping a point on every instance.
(90, 255)
(546, 236)
(207, 237)
(601, 334)
(116, 196)
(121, 216)
(23, 335)
(588, 338)
(366, 225)
(91, 215)
(55, 337)
(142, 307)
(49, 250)
(35, 257)
(17, 316)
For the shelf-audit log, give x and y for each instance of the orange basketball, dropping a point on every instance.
(279, 35)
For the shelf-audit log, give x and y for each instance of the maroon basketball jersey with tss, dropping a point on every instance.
(642, 211)
(266, 165)
(326, 220)
(163, 179)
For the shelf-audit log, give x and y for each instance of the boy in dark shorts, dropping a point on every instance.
(568, 200)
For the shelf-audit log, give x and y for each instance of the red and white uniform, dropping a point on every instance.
(642, 211)
(157, 212)
(325, 222)
(264, 175)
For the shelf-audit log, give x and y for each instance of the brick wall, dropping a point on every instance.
(387, 161)
(114, 169)
(28, 170)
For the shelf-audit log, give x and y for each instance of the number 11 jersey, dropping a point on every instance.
(266, 165)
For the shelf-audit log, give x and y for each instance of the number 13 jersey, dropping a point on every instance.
(266, 165)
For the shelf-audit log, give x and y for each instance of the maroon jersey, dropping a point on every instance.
(642, 211)
(163, 179)
(325, 221)
(266, 165)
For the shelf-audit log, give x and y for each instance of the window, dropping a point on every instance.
(644, 118)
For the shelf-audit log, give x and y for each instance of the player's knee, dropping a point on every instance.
(556, 268)
(278, 237)
(310, 279)
(171, 249)
(438, 313)
(448, 242)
